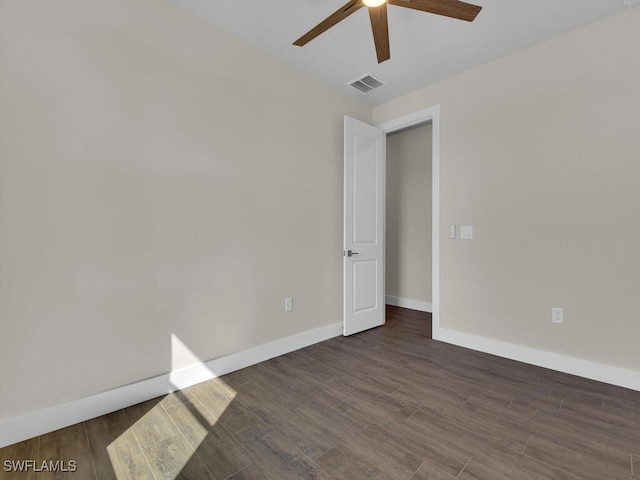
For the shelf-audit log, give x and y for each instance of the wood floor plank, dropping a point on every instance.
(125, 456)
(287, 370)
(221, 453)
(503, 428)
(586, 386)
(570, 387)
(623, 406)
(310, 365)
(368, 443)
(510, 466)
(152, 427)
(145, 474)
(497, 420)
(429, 471)
(361, 363)
(495, 369)
(378, 402)
(265, 377)
(252, 472)
(347, 379)
(175, 398)
(311, 438)
(451, 430)
(279, 454)
(343, 462)
(432, 396)
(137, 412)
(173, 458)
(66, 445)
(495, 399)
(615, 424)
(448, 456)
(193, 420)
(572, 433)
(236, 382)
(116, 452)
(528, 403)
(585, 466)
(218, 398)
(12, 460)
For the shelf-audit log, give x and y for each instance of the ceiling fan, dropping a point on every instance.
(378, 15)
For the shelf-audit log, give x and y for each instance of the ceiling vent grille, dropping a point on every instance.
(366, 83)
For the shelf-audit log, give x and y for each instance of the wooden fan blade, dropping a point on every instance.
(380, 27)
(448, 8)
(337, 16)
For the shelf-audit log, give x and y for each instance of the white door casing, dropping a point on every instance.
(364, 226)
(429, 114)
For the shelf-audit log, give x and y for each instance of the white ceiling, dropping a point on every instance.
(425, 48)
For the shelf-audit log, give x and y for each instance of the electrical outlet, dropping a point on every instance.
(466, 232)
(557, 315)
(288, 304)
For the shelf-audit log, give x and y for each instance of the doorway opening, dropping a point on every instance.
(427, 116)
(408, 277)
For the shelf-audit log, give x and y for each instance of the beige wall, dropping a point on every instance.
(157, 177)
(408, 247)
(540, 153)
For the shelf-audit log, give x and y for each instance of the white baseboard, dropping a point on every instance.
(30, 425)
(409, 303)
(553, 361)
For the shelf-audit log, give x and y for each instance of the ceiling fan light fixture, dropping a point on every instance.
(379, 23)
(374, 3)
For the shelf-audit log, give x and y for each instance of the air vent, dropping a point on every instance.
(366, 83)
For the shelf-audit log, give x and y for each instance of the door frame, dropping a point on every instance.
(418, 117)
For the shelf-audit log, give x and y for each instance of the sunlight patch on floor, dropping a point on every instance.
(166, 432)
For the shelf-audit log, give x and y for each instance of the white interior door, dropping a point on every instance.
(364, 230)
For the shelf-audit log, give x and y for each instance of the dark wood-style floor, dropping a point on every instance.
(388, 403)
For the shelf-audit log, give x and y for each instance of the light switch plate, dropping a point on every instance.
(466, 232)
(452, 232)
